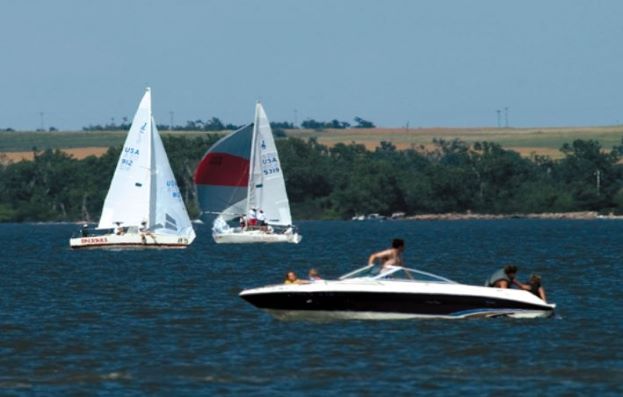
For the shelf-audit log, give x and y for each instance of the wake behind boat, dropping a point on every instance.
(239, 175)
(393, 293)
(143, 207)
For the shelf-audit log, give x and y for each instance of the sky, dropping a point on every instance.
(423, 63)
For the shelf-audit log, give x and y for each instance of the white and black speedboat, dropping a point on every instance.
(393, 293)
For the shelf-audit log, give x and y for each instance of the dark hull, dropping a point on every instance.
(433, 305)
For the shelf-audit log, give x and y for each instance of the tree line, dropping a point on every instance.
(336, 124)
(346, 179)
(215, 124)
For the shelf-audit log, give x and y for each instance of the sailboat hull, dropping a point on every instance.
(255, 236)
(131, 240)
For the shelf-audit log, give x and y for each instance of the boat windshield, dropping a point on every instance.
(394, 273)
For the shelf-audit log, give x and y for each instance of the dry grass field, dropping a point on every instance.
(15, 146)
(78, 153)
(527, 141)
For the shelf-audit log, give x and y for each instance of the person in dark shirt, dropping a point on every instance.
(534, 286)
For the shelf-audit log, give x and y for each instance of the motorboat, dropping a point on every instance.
(390, 293)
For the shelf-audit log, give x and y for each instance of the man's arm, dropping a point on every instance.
(379, 255)
(521, 285)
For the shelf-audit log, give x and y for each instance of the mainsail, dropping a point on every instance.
(128, 198)
(267, 189)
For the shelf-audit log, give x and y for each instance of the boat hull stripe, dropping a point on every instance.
(411, 303)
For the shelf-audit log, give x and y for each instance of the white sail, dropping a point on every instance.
(267, 189)
(168, 213)
(128, 199)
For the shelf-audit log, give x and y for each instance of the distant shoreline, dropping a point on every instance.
(579, 215)
(451, 216)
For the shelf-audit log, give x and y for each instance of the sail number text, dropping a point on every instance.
(128, 157)
(173, 189)
(270, 164)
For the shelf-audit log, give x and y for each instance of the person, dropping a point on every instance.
(144, 232)
(313, 275)
(291, 278)
(85, 230)
(502, 278)
(261, 220)
(242, 222)
(251, 218)
(533, 285)
(391, 256)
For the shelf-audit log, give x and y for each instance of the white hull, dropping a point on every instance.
(381, 298)
(255, 236)
(326, 315)
(131, 240)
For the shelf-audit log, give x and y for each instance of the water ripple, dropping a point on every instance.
(171, 322)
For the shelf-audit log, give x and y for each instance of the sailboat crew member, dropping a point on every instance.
(261, 220)
(251, 218)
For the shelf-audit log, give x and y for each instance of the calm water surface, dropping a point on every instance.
(171, 322)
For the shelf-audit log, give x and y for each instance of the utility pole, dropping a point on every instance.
(598, 180)
(506, 116)
(171, 121)
(499, 117)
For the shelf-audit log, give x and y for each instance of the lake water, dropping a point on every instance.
(171, 322)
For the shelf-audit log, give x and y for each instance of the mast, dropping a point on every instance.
(252, 159)
(153, 188)
(151, 216)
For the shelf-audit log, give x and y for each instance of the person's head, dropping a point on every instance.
(510, 270)
(398, 244)
(313, 272)
(535, 279)
(291, 276)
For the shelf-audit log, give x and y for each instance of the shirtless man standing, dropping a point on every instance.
(391, 256)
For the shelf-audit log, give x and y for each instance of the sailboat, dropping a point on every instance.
(241, 173)
(143, 207)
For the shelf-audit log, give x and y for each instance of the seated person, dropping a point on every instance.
(251, 218)
(85, 230)
(502, 278)
(261, 220)
(313, 275)
(533, 285)
(292, 279)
